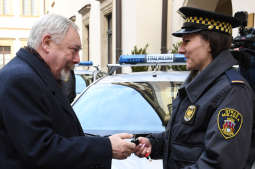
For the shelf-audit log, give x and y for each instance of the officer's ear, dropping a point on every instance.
(208, 46)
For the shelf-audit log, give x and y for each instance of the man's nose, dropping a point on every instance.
(76, 59)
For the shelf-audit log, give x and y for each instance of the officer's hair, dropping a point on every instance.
(52, 24)
(218, 41)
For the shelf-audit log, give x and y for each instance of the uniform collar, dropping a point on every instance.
(200, 83)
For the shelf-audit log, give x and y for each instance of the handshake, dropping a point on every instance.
(121, 148)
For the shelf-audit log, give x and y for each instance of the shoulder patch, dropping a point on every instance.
(229, 122)
(234, 76)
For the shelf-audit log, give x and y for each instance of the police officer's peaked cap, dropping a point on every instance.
(197, 20)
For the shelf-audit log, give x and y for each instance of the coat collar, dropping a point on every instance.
(200, 83)
(34, 60)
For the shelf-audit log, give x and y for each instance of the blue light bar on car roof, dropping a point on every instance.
(86, 63)
(152, 58)
(132, 59)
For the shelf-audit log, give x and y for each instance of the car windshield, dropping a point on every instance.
(112, 108)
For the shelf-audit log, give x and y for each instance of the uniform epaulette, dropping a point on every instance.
(234, 76)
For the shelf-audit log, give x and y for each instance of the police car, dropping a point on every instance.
(137, 103)
(84, 77)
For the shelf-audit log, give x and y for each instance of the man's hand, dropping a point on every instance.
(143, 149)
(121, 148)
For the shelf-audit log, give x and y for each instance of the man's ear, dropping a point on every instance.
(46, 39)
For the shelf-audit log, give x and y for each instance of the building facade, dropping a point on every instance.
(112, 27)
(17, 18)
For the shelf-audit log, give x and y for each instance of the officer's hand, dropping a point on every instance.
(121, 148)
(143, 149)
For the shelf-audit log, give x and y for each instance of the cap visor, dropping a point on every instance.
(185, 31)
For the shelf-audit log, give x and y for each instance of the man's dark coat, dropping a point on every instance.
(38, 127)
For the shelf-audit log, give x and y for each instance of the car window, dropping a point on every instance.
(159, 94)
(113, 108)
(80, 84)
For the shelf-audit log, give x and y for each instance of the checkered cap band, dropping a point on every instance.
(211, 23)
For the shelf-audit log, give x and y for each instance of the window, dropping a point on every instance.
(251, 20)
(5, 55)
(5, 7)
(30, 7)
(87, 41)
(109, 37)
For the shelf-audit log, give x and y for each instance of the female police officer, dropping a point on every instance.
(211, 121)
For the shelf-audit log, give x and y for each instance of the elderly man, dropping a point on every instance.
(38, 127)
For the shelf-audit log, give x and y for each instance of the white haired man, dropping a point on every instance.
(38, 127)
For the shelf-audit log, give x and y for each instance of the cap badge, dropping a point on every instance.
(210, 27)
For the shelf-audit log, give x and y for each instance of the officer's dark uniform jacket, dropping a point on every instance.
(211, 122)
(38, 128)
